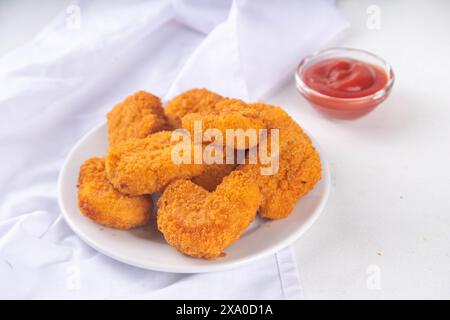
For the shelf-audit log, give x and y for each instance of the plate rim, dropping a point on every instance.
(194, 269)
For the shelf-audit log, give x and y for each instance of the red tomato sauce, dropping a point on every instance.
(345, 78)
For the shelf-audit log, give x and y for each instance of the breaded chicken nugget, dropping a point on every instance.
(100, 202)
(271, 116)
(299, 165)
(213, 175)
(201, 223)
(191, 101)
(137, 116)
(299, 170)
(229, 114)
(144, 166)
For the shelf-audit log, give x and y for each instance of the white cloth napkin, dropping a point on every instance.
(61, 84)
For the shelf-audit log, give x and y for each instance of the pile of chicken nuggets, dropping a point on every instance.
(202, 208)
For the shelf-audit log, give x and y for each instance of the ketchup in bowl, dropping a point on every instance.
(344, 83)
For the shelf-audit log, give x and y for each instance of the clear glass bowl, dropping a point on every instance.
(344, 108)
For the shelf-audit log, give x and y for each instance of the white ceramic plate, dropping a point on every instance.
(146, 248)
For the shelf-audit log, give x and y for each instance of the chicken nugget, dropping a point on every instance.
(191, 101)
(299, 167)
(229, 116)
(144, 166)
(213, 175)
(100, 202)
(299, 170)
(137, 116)
(202, 224)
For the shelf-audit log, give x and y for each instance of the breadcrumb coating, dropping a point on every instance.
(299, 165)
(138, 116)
(144, 166)
(202, 224)
(191, 101)
(100, 202)
(228, 114)
(213, 175)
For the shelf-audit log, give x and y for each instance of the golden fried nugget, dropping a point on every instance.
(100, 202)
(228, 114)
(191, 101)
(213, 175)
(217, 167)
(201, 223)
(299, 170)
(299, 166)
(144, 166)
(137, 116)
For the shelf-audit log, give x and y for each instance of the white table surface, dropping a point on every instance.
(385, 233)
